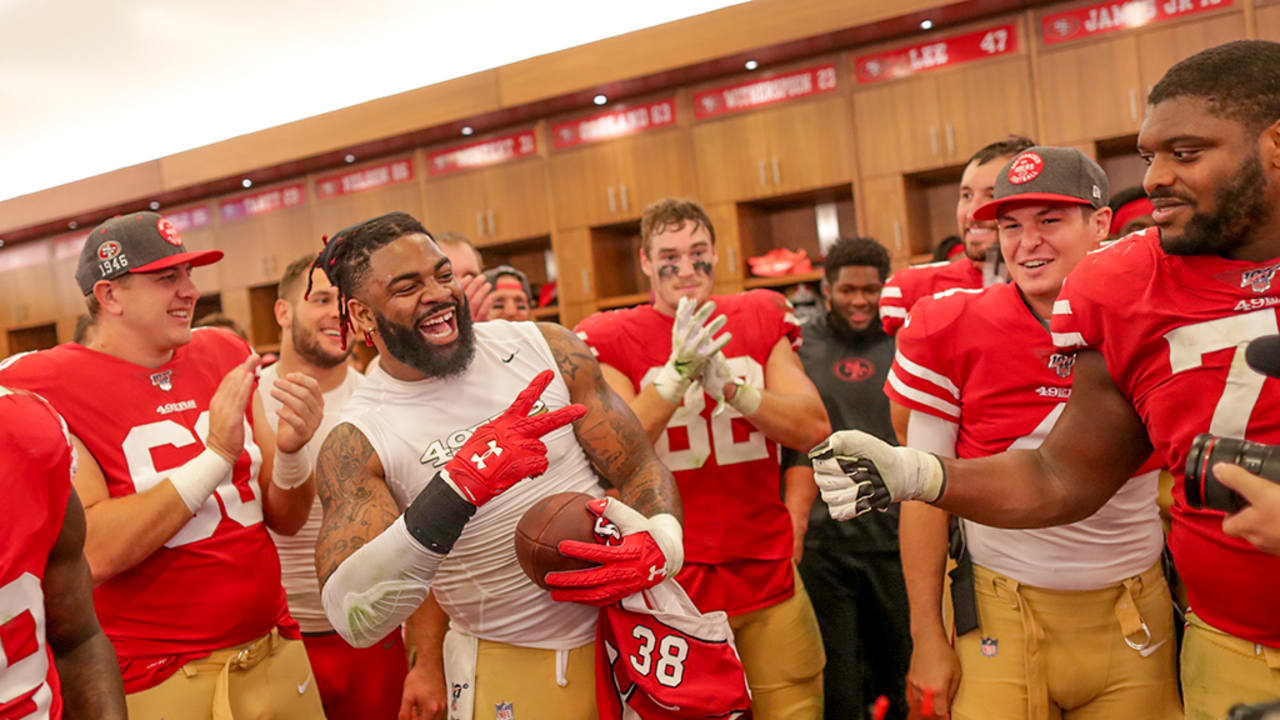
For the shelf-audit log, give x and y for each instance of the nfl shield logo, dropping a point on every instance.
(990, 646)
(163, 380)
(505, 712)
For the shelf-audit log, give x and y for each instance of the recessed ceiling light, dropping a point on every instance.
(751, 65)
(73, 225)
(467, 129)
(926, 24)
(246, 183)
(154, 205)
(349, 158)
(600, 99)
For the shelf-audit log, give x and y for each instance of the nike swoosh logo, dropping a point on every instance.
(302, 686)
(508, 358)
(1147, 651)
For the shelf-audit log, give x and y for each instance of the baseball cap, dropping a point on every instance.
(137, 242)
(494, 275)
(1053, 174)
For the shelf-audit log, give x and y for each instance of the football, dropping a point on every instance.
(563, 516)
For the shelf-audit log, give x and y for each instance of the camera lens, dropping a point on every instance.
(1203, 489)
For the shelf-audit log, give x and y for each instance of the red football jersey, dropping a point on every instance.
(658, 658)
(1173, 331)
(36, 463)
(910, 284)
(217, 581)
(727, 470)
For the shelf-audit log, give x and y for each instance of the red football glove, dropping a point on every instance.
(507, 449)
(652, 550)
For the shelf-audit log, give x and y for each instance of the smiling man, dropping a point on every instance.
(980, 265)
(181, 475)
(852, 570)
(719, 418)
(1157, 325)
(421, 480)
(977, 373)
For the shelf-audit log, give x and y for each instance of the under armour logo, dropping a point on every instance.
(493, 450)
(655, 572)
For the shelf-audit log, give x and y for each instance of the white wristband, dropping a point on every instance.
(671, 385)
(746, 399)
(198, 477)
(669, 535)
(291, 470)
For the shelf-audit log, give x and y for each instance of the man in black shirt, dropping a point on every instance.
(852, 569)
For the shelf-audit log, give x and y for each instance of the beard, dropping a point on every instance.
(407, 345)
(307, 345)
(850, 335)
(1241, 208)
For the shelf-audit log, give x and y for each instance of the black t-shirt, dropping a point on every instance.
(850, 377)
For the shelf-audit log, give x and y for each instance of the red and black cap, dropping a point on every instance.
(1049, 174)
(137, 242)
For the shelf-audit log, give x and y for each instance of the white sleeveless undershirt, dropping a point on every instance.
(415, 427)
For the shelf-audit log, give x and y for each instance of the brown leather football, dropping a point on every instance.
(563, 516)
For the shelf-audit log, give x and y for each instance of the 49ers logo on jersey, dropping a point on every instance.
(854, 369)
(1062, 364)
(1260, 279)
(441, 450)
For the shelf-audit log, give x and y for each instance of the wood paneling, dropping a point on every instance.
(1268, 19)
(131, 183)
(1090, 91)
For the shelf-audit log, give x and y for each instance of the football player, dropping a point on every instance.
(420, 480)
(178, 470)
(1158, 324)
(977, 372)
(666, 360)
(980, 265)
(55, 661)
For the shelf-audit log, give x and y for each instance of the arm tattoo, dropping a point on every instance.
(610, 434)
(357, 504)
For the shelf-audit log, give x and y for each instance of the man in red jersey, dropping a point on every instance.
(1158, 324)
(978, 373)
(979, 266)
(177, 472)
(54, 658)
(738, 536)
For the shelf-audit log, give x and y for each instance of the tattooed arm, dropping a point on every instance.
(353, 491)
(610, 434)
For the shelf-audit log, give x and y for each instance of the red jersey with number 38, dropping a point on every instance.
(36, 462)
(216, 582)
(1173, 331)
(727, 470)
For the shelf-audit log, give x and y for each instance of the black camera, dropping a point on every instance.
(1203, 489)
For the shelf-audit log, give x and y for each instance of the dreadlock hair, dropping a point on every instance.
(345, 257)
(1240, 80)
(855, 251)
(1008, 147)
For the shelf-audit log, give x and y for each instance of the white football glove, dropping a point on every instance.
(692, 344)
(857, 472)
(746, 398)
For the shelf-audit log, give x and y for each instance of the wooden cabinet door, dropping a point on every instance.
(27, 278)
(1160, 47)
(1090, 91)
(574, 283)
(257, 250)
(517, 202)
(884, 215)
(582, 184)
(880, 135)
(732, 156)
(985, 103)
(457, 204)
(809, 145)
(918, 115)
(653, 166)
(1268, 19)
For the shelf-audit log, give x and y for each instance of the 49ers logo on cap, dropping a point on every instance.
(1025, 168)
(168, 232)
(108, 250)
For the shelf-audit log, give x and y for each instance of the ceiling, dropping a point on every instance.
(89, 87)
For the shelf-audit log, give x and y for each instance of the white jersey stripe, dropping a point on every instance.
(1071, 339)
(923, 398)
(926, 374)
(1061, 307)
(891, 291)
(888, 311)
